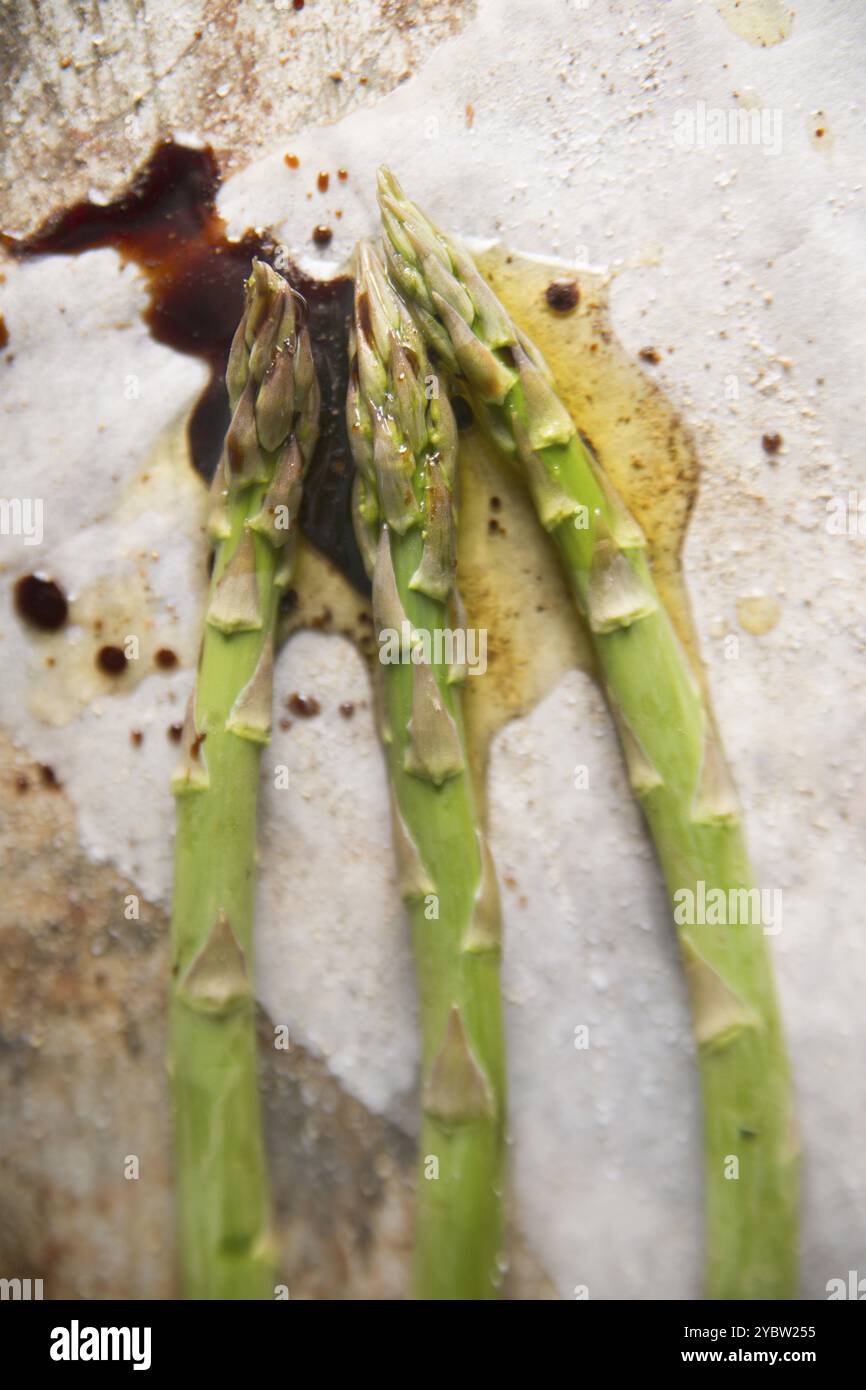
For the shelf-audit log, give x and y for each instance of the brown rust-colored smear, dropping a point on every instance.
(166, 222)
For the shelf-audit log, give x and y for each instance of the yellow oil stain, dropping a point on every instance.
(761, 22)
(758, 613)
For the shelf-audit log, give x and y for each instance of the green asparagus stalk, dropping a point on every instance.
(225, 1246)
(404, 445)
(671, 747)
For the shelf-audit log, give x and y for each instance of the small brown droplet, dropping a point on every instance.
(49, 777)
(496, 504)
(650, 354)
(298, 4)
(4, 333)
(493, 526)
(22, 782)
(772, 443)
(347, 709)
(470, 115)
(166, 659)
(175, 732)
(305, 706)
(291, 160)
(111, 660)
(41, 602)
(285, 724)
(322, 235)
(342, 174)
(136, 738)
(562, 295)
(322, 181)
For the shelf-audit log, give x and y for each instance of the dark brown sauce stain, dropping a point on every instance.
(111, 660)
(41, 602)
(322, 235)
(165, 659)
(772, 443)
(305, 706)
(4, 333)
(562, 295)
(166, 222)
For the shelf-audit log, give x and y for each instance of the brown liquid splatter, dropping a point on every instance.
(111, 660)
(562, 295)
(166, 222)
(41, 602)
(305, 706)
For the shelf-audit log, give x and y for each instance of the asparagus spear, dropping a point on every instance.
(224, 1242)
(669, 740)
(404, 444)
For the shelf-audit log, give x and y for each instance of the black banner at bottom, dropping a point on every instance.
(66, 1339)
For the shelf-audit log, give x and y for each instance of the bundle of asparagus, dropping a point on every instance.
(404, 444)
(669, 740)
(222, 1192)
